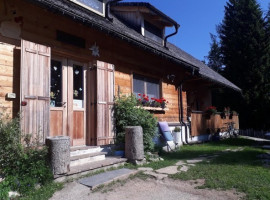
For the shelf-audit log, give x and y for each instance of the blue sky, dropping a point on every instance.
(198, 18)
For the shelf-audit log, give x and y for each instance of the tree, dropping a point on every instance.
(243, 47)
(214, 55)
(267, 71)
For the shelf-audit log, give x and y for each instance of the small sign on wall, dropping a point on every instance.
(11, 95)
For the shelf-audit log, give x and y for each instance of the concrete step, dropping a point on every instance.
(108, 162)
(107, 177)
(85, 158)
(74, 151)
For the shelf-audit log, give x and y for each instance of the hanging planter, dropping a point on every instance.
(211, 110)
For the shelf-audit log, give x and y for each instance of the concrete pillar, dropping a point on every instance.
(59, 154)
(134, 150)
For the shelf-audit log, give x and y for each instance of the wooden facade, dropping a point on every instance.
(105, 76)
(202, 125)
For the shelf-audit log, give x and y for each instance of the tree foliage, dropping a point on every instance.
(244, 48)
(214, 55)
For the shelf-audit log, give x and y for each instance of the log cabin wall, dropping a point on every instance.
(199, 100)
(39, 25)
(9, 76)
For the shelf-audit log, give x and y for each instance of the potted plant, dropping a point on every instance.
(211, 110)
(233, 113)
(177, 135)
(226, 112)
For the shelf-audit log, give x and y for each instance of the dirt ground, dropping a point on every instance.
(149, 189)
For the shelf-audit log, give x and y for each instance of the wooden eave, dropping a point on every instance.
(146, 12)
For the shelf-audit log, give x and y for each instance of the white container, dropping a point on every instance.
(177, 138)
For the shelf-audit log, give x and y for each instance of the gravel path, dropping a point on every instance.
(150, 189)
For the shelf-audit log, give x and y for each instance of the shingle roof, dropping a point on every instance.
(119, 29)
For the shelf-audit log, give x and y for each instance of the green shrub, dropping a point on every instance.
(23, 162)
(127, 113)
(4, 189)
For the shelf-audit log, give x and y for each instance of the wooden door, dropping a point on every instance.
(58, 94)
(76, 102)
(101, 94)
(67, 115)
(35, 91)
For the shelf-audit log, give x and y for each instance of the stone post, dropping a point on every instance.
(59, 154)
(134, 143)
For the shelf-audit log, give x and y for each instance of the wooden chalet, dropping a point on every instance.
(63, 61)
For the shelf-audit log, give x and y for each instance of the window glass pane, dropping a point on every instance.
(78, 86)
(153, 32)
(152, 88)
(56, 84)
(94, 4)
(138, 85)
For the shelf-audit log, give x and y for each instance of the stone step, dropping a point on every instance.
(74, 151)
(82, 159)
(106, 177)
(109, 161)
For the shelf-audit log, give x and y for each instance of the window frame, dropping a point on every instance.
(90, 8)
(145, 80)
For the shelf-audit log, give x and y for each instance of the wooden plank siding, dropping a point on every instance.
(9, 76)
(126, 58)
(200, 124)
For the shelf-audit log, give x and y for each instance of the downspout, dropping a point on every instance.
(177, 26)
(107, 6)
(181, 112)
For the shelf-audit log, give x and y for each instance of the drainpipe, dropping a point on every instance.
(107, 6)
(181, 112)
(177, 26)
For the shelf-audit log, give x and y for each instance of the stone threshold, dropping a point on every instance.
(81, 170)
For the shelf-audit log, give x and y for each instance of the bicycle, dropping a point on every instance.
(230, 131)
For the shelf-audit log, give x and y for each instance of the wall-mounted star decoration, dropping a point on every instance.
(95, 50)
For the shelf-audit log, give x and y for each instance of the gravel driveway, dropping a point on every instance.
(149, 189)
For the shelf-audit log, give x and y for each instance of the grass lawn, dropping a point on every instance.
(231, 170)
(45, 192)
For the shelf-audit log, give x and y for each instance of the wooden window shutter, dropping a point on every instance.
(101, 96)
(35, 89)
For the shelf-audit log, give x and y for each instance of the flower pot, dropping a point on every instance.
(119, 153)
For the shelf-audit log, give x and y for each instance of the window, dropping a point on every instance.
(144, 85)
(94, 5)
(56, 84)
(153, 32)
(78, 86)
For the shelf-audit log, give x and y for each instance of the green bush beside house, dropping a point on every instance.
(127, 113)
(23, 164)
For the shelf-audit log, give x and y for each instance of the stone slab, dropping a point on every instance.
(145, 169)
(184, 169)
(193, 161)
(95, 165)
(181, 162)
(157, 176)
(107, 177)
(168, 170)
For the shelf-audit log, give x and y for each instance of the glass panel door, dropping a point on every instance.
(78, 86)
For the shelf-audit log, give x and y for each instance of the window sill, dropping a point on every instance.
(153, 108)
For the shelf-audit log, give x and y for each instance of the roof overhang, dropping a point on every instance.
(147, 10)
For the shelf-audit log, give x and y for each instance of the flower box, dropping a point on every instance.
(153, 108)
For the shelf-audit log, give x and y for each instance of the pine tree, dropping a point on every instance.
(243, 46)
(267, 71)
(214, 55)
